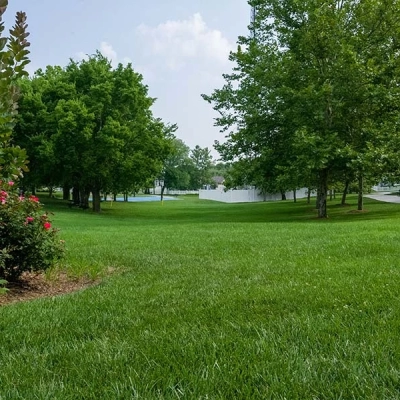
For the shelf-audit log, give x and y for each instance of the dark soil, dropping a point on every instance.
(36, 285)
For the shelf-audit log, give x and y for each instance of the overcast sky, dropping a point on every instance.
(180, 47)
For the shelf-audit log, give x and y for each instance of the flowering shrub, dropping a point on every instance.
(27, 240)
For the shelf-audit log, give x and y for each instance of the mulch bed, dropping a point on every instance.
(36, 285)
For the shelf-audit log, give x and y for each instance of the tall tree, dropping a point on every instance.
(37, 123)
(177, 167)
(202, 162)
(311, 79)
(95, 127)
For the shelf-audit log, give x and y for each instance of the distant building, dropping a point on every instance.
(247, 195)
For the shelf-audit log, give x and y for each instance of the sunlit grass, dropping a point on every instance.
(215, 301)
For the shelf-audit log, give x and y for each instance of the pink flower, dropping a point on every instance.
(47, 225)
(34, 198)
(3, 197)
(29, 219)
(10, 183)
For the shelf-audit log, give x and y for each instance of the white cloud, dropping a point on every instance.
(81, 56)
(108, 51)
(180, 41)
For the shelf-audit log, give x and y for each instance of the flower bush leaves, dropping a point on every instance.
(27, 240)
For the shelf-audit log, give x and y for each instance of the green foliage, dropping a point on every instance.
(177, 166)
(186, 169)
(3, 282)
(304, 105)
(202, 163)
(13, 59)
(27, 240)
(90, 127)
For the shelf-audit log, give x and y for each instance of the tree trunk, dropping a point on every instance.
(309, 196)
(322, 193)
(283, 194)
(66, 193)
(51, 190)
(76, 195)
(330, 194)
(345, 190)
(264, 193)
(360, 202)
(125, 196)
(162, 192)
(294, 195)
(96, 204)
(115, 196)
(84, 198)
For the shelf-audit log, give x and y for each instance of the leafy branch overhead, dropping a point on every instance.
(13, 60)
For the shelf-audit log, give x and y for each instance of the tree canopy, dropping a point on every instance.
(313, 94)
(186, 169)
(90, 127)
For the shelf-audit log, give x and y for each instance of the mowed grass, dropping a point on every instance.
(215, 301)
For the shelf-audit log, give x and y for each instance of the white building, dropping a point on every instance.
(247, 196)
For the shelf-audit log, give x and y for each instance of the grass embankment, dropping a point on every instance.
(215, 301)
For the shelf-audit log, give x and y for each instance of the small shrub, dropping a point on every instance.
(3, 289)
(27, 240)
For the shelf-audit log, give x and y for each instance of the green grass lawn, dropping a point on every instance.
(215, 301)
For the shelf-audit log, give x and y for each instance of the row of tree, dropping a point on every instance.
(314, 97)
(186, 169)
(89, 127)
